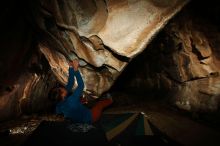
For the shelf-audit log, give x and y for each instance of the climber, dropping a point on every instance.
(68, 104)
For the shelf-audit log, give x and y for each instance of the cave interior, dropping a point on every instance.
(174, 79)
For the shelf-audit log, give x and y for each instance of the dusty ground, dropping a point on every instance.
(186, 128)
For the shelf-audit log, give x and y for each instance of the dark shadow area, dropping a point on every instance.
(69, 133)
(18, 40)
(66, 133)
(207, 10)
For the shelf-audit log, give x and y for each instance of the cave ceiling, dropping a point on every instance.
(104, 35)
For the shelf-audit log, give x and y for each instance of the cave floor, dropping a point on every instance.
(186, 129)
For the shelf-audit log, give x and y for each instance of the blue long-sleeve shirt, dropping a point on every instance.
(71, 107)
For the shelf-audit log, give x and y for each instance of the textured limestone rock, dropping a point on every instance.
(26, 96)
(198, 95)
(183, 62)
(104, 35)
(195, 64)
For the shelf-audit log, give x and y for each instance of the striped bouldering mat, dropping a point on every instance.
(127, 129)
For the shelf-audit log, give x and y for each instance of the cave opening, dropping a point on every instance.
(175, 79)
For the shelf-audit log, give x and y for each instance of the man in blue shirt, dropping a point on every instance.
(69, 104)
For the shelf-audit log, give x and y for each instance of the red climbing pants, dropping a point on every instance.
(98, 108)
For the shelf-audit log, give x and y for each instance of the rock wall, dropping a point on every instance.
(29, 93)
(181, 63)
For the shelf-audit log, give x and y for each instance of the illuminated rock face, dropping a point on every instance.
(183, 62)
(104, 35)
(196, 64)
